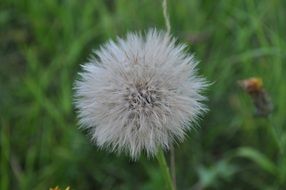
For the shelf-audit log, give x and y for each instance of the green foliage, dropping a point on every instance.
(43, 44)
(257, 157)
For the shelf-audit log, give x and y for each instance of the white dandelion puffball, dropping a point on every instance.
(139, 93)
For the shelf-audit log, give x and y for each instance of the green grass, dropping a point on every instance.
(43, 43)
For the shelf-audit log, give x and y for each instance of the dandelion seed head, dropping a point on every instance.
(139, 93)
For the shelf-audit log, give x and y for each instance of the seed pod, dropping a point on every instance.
(260, 98)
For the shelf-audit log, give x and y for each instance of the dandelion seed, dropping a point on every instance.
(139, 94)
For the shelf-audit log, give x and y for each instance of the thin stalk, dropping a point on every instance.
(166, 16)
(173, 165)
(165, 170)
(276, 135)
(172, 151)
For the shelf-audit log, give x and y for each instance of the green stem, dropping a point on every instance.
(173, 166)
(165, 169)
(276, 135)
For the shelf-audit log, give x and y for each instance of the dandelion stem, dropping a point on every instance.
(165, 170)
(173, 165)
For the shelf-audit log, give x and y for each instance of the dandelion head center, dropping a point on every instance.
(142, 96)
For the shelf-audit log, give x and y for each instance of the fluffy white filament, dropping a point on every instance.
(139, 93)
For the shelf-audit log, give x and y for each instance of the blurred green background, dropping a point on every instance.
(43, 43)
